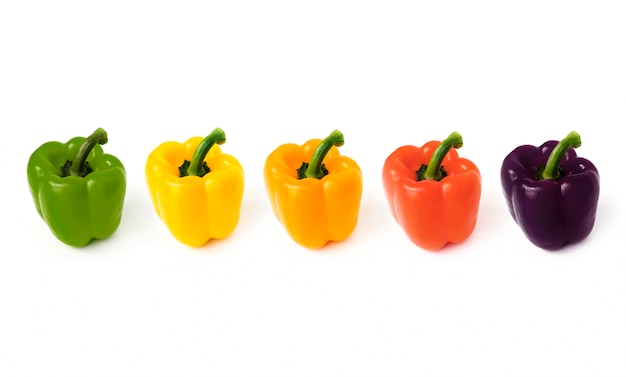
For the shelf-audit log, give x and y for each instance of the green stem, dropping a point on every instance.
(78, 167)
(433, 171)
(314, 170)
(216, 137)
(551, 171)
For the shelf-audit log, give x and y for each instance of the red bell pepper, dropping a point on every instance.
(433, 194)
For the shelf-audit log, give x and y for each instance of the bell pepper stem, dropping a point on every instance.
(314, 170)
(433, 171)
(217, 136)
(551, 171)
(78, 168)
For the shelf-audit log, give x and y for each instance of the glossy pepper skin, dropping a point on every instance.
(314, 191)
(551, 193)
(432, 193)
(196, 190)
(78, 190)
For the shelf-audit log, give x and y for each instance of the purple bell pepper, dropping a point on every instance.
(551, 193)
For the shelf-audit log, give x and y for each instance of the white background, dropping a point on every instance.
(385, 73)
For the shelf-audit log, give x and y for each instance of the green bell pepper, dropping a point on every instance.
(78, 190)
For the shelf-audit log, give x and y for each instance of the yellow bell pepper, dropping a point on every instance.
(195, 188)
(314, 191)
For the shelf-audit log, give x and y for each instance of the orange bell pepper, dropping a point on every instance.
(433, 194)
(314, 191)
(196, 189)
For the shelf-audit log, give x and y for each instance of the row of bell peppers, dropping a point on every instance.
(314, 191)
